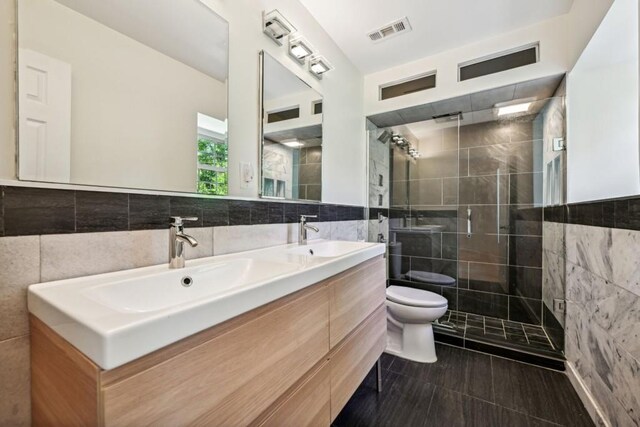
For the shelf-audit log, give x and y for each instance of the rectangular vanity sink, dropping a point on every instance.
(115, 318)
(326, 249)
(162, 290)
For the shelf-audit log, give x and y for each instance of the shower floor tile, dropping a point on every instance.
(521, 336)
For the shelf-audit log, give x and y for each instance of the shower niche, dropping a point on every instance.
(460, 207)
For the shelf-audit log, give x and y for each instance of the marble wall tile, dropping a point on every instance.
(625, 247)
(204, 236)
(64, 256)
(553, 238)
(344, 230)
(577, 340)
(240, 238)
(602, 352)
(323, 233)
(609, 405)
(20, 261)
(617, 311)
(626, 384)
(580, 284)
(362, 230)
(15, 378)
(553, 273)
(590, 247)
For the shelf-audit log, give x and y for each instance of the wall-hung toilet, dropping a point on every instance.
(410, 313)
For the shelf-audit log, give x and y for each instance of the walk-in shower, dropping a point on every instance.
(465, 197)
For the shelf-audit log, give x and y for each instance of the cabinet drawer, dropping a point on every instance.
(354, 357)
(355, 294)
(230, 379)
(309, 404)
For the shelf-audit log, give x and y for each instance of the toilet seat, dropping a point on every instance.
(415, 297)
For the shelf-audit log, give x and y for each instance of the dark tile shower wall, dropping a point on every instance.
(497, 167)
(310, 173)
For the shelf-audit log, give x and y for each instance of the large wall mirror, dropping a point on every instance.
(291, 134)
(123, 93)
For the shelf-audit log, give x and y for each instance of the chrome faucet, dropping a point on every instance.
(302, 234)
(177, 238)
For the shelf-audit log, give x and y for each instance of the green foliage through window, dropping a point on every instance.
(213, 157)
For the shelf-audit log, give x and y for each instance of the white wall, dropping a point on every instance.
(553, 60)
(602, 111)
(343, 150)
(131, 125)
(344, 160)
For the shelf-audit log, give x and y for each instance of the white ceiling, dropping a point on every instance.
(185, 30)
(438, 25)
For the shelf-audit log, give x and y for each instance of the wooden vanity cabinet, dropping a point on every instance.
(295, 361)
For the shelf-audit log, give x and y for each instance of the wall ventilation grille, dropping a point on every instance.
(502, 61)
(407, 86)
(393, 29)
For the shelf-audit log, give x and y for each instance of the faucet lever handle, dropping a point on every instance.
(178, 220)
(304, 217)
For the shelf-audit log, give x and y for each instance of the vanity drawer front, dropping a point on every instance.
(354, 357)
(308, 405)
(355, 294)
(232, 378)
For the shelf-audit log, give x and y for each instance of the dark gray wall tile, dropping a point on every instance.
(215, 212)
(483, 248)
(38, 211)
(148, 212)
(101, 211)
(187, 207)
(525, 310)
(525, 220)
(525, 282)
(239, 212)
(484, 303)
(525, 251)
(525, 188)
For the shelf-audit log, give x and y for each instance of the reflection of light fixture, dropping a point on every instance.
(276, 26)
(318, 66)
(514, 107)
(299, 49)
(293, 143)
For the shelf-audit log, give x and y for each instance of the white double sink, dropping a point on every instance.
(117, 317)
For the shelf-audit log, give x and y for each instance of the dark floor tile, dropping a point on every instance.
(215, 212)
(517, 351)
(538, 392)
(147, 212)
(462, 371)
(453, 409)
(101, 211)
(493, 323)
(403, 401)
(187, 207)
(29, 211)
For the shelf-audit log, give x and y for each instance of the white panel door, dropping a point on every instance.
(44, 131)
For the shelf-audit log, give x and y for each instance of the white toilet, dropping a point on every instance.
(410, 313)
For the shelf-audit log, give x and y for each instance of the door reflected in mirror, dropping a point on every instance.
(291, 130)
(123, 93)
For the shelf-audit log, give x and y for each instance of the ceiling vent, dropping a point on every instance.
(390, 30)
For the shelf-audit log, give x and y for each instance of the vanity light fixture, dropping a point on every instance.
(292, 143)
(299, 49)
(276, 26)
(318, 66)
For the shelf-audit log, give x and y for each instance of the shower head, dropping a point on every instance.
(384, 137)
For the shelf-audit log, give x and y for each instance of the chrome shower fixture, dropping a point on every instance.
(405, 145)
(385, 137)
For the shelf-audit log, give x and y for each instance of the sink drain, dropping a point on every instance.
(311, 251)
(187, 281)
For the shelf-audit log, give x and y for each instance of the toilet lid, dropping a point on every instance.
(415, 297)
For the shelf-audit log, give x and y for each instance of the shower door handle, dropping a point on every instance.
(468, 222)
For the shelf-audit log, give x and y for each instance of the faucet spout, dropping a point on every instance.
(177, 239)
(185, 238)
(303, 227)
